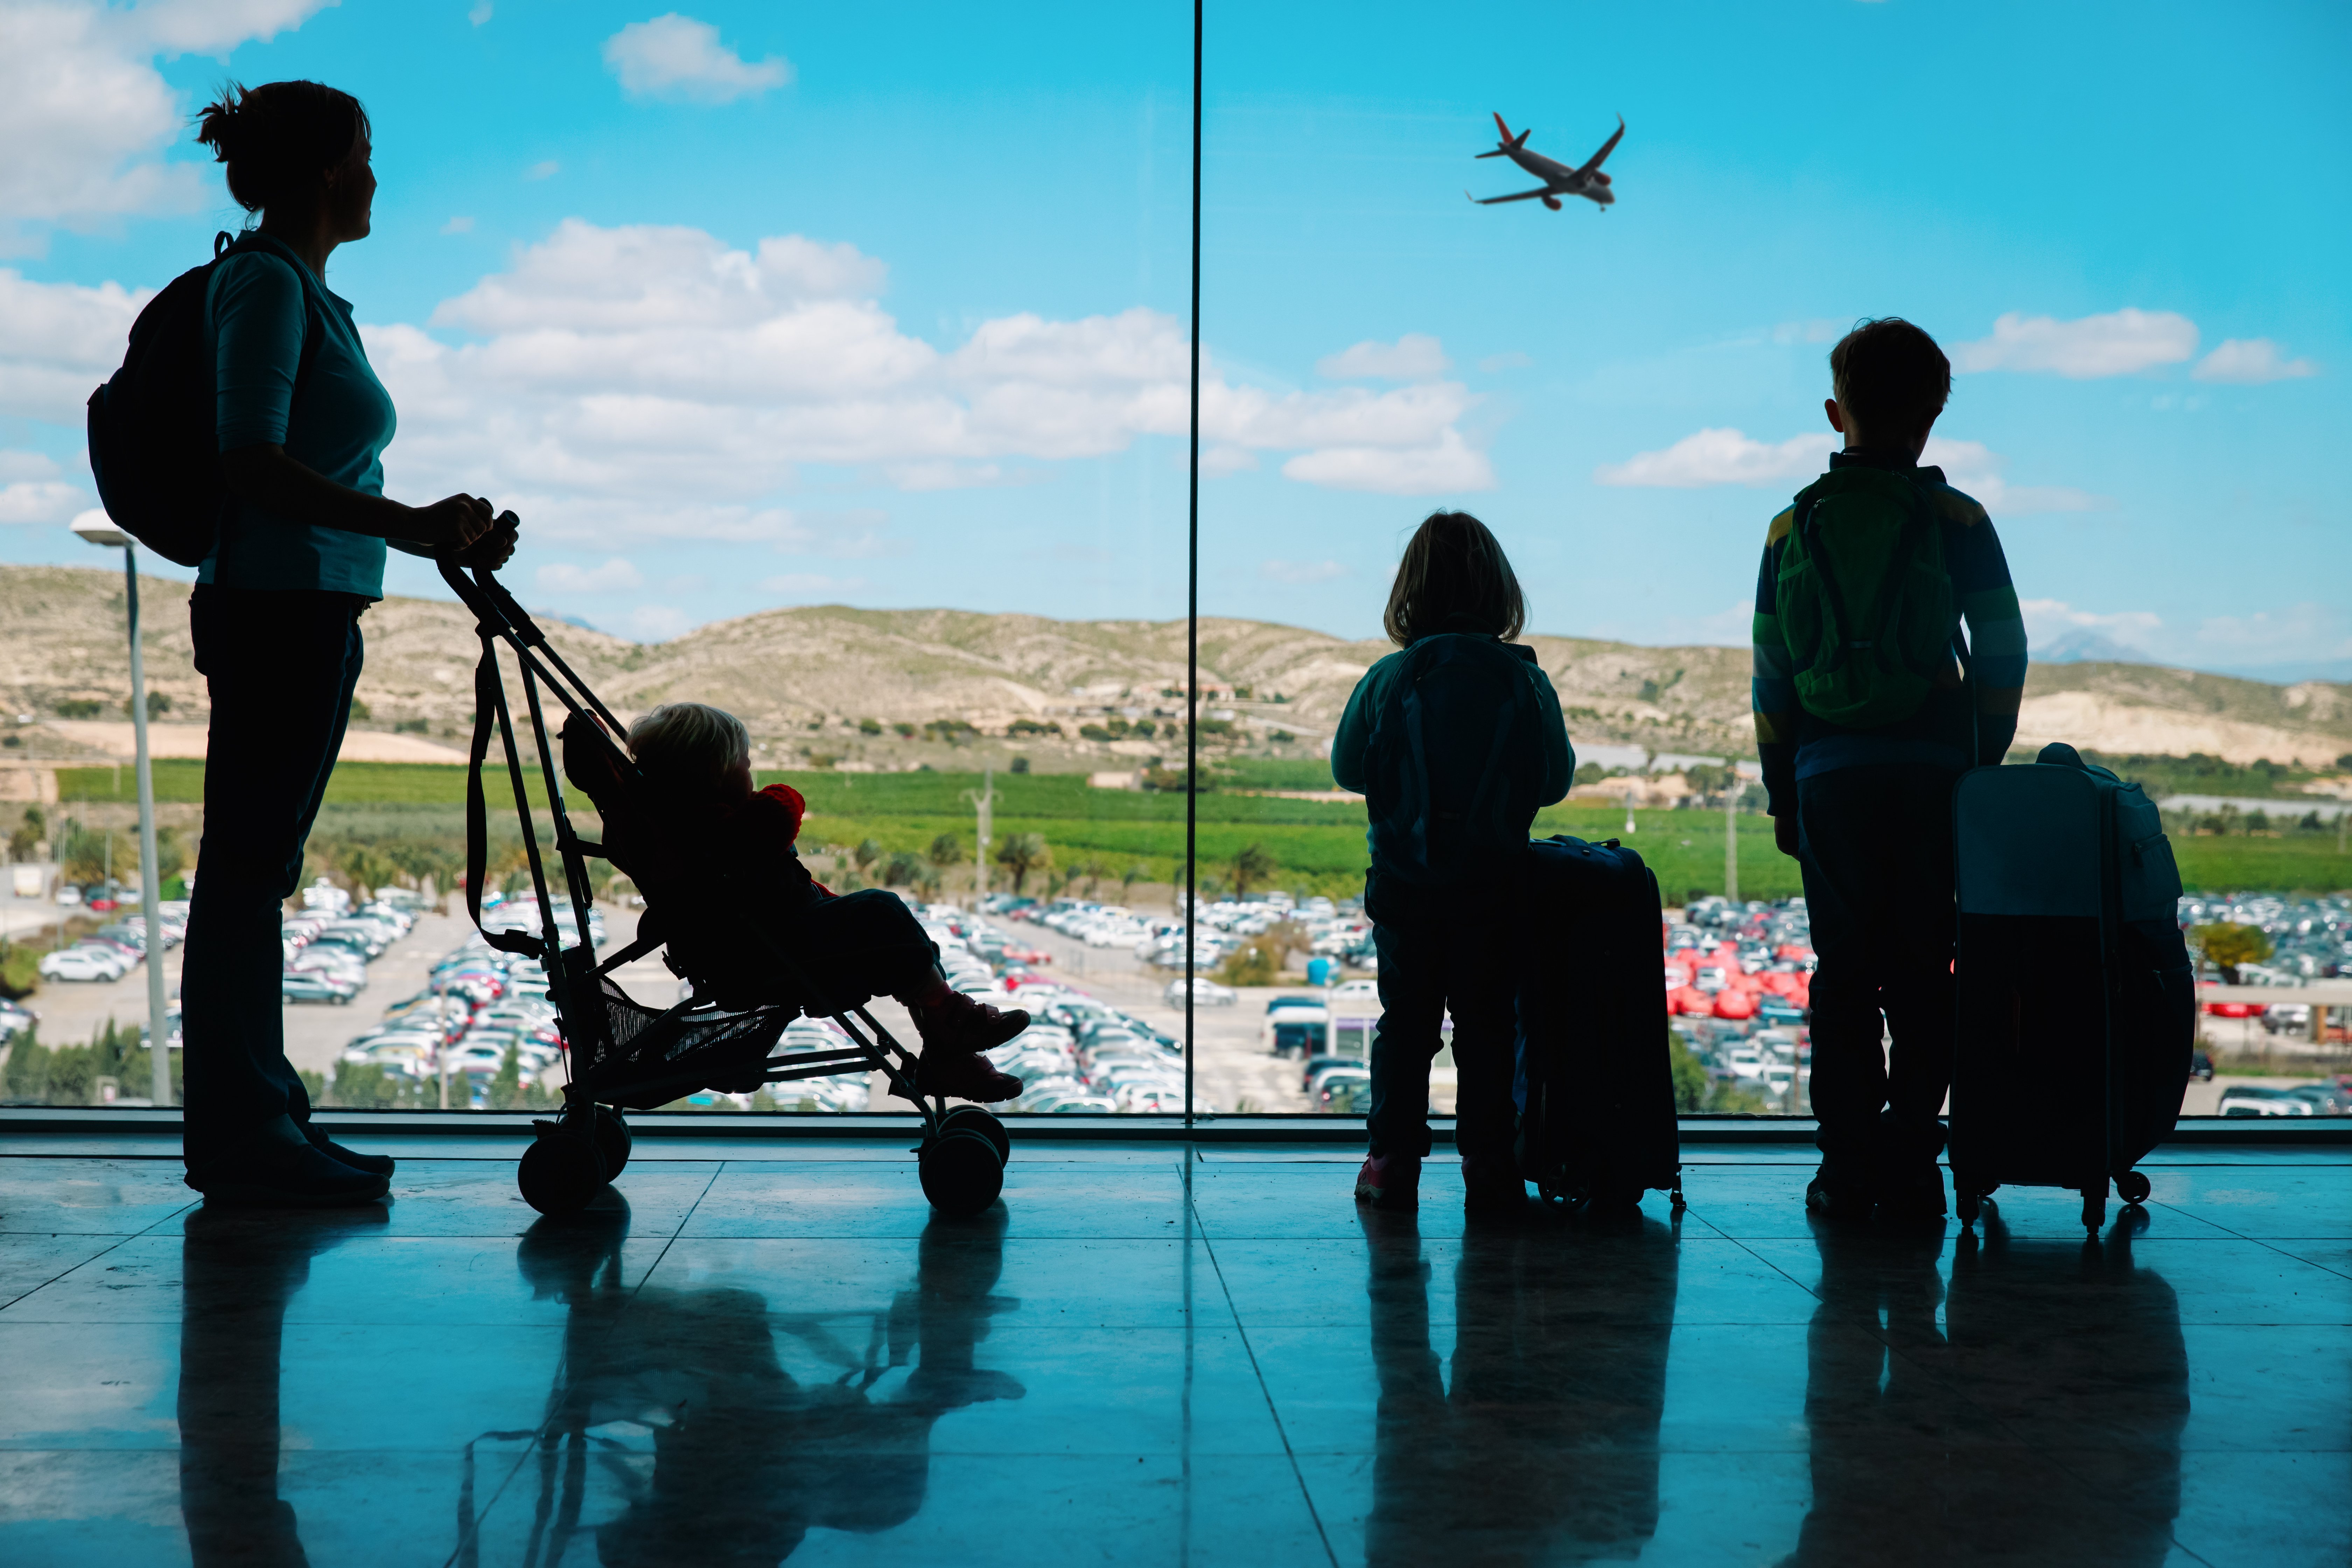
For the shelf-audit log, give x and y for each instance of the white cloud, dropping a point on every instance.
(2050, 623)
(57, 340)
(1722, 457)
(1412, 357)
(458, 225)
(84, 114)
(563, 577)
(1731, 626)
(40, 501)
(1727, 457)
(18, 464)
(545, 169)
(658, 623)
(645, 382)
(809, 585)
(2250, 362)
(1300, 572)
(1216, 462)
(1817, 329)
(1514, 360)
(1450, 467)
(480, 13)
(2307, 630)
(1969, 466)
(2122, 342)
(677, 57)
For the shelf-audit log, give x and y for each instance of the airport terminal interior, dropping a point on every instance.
(751, 1350)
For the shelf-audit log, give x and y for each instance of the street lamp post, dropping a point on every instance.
(96, 528)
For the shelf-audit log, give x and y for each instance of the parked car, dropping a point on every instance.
(2248, 1100)
(1206, 993)
(83, 962)
(312, 986)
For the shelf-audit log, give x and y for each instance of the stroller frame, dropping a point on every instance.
(962, 1154)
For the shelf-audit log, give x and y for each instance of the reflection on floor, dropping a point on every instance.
(1147, 1356)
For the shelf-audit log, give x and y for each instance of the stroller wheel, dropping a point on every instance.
(986, 1125)
(962, 1174)
(613, 1140)
(2133, 1187)
(560, 1172)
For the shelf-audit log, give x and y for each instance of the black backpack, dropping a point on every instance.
(154, 451)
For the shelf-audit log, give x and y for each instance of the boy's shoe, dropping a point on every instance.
(1913, 1191)
(963, 1075)
(1390, 1181)
(307, 1179)
(1492, 1186)
(374, 1165)
(960, 1026)
(1837, 1192)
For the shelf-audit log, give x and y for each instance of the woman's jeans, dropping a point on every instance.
(280, 666)
(1443, 951)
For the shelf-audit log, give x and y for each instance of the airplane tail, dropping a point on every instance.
(1510, 143)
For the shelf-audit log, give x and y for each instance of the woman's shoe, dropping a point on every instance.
(303, 1179)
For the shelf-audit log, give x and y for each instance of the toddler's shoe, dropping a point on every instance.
(1390, 1181)
(1838, 1192)
(962, 1075)
(961, 1025)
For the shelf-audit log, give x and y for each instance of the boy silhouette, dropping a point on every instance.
(1867, 712)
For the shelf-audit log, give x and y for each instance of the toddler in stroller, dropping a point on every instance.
(696, 761)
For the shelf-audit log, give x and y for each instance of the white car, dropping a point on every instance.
(1205, 994)
(83, 964)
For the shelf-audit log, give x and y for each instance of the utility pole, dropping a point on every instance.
(96, 528)
(1731, 833)
(1628, 810)
(982, 799)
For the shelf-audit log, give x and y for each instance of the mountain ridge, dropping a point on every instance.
(804, 677)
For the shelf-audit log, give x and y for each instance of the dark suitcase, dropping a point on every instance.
(1594, 1085)
(2076, 1005)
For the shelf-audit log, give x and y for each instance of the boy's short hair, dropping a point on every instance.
(1453, 567)
(687, 745)
(1889, 375)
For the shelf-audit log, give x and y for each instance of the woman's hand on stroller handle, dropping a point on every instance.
(467, 535)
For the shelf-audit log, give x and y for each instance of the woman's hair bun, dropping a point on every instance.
(280, 137)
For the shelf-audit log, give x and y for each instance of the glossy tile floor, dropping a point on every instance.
(1157, 1356)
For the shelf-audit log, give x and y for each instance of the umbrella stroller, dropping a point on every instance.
(619, 1054)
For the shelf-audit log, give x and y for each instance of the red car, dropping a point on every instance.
(2234, 1009)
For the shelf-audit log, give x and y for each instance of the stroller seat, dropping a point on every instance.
(621, 1054)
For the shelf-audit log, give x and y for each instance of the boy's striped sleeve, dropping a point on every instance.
(1987, 602)
(1773, 690)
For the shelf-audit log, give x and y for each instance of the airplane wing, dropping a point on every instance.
(1607, 147)
(1519, 197)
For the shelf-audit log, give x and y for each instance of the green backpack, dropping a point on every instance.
(1864, 597)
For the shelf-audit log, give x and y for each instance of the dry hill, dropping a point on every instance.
(798, 676)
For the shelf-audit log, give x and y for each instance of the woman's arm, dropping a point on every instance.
(264, 475)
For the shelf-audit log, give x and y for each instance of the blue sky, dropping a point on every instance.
(759, 305)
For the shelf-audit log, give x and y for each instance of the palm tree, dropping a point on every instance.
(1252, 864)
(902, 869)
(1129, 878)
(946, 851)
(866, 854)
(1022, 853)
(1094, 871)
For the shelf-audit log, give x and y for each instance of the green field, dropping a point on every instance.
(1317, 845)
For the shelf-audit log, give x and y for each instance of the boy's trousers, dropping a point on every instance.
(1875, 843)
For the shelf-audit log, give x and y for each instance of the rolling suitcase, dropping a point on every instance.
(2077, 1005)
(1594, 1085)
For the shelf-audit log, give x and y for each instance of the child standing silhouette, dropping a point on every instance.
(1455, 743)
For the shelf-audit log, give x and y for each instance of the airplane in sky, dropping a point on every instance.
(1558, 179)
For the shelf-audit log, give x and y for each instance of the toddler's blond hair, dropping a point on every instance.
(688, 745)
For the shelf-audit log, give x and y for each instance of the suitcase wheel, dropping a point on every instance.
(2133, 1188)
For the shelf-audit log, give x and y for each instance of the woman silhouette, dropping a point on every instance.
(302, 424)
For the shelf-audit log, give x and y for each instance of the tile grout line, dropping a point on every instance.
(1242, 1330)
(119, 1242)
(473, 1530)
